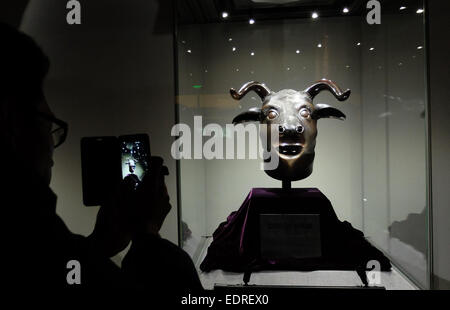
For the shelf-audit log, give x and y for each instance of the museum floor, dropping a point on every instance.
(393, 280)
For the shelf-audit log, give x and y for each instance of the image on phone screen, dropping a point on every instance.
(135, 155)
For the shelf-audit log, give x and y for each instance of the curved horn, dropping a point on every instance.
(260, 88)
(324, 84)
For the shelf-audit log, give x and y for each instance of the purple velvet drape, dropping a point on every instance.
(236, 247)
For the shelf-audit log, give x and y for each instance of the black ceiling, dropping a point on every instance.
(210, 11)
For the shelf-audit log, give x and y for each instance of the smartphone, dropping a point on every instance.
(135, 156)
(100, 168)
(105, 161)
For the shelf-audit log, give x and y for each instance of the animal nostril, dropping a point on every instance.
(281, 129)
(300, 129)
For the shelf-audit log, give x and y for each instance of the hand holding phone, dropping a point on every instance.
(107, 160)
(120, 174)
(152, 199)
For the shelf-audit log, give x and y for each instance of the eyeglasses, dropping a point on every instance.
(59, 129)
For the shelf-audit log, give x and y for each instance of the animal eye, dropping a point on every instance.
(272, 114)
(305, 113)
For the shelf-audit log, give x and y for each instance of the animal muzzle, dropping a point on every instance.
(290, 149)
(290, 130)
(291, 139)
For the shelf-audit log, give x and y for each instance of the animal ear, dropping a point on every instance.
(253, 114)
(322, 110)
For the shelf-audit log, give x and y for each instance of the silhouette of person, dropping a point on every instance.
(40, 248)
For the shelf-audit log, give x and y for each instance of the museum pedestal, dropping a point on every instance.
(295, 229)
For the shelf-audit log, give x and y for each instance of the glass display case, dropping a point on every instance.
(372, 166)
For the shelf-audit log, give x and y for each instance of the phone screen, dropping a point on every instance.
(135, 150)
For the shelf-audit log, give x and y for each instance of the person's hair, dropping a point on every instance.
(23, 64)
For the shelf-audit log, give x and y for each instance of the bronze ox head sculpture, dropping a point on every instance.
(296, 116)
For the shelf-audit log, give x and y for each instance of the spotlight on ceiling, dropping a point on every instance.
(315, 15)
(419, 11)
(345, 10)
(251, 21)
(224, 14)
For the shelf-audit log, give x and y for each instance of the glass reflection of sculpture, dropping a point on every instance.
(296, 116)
